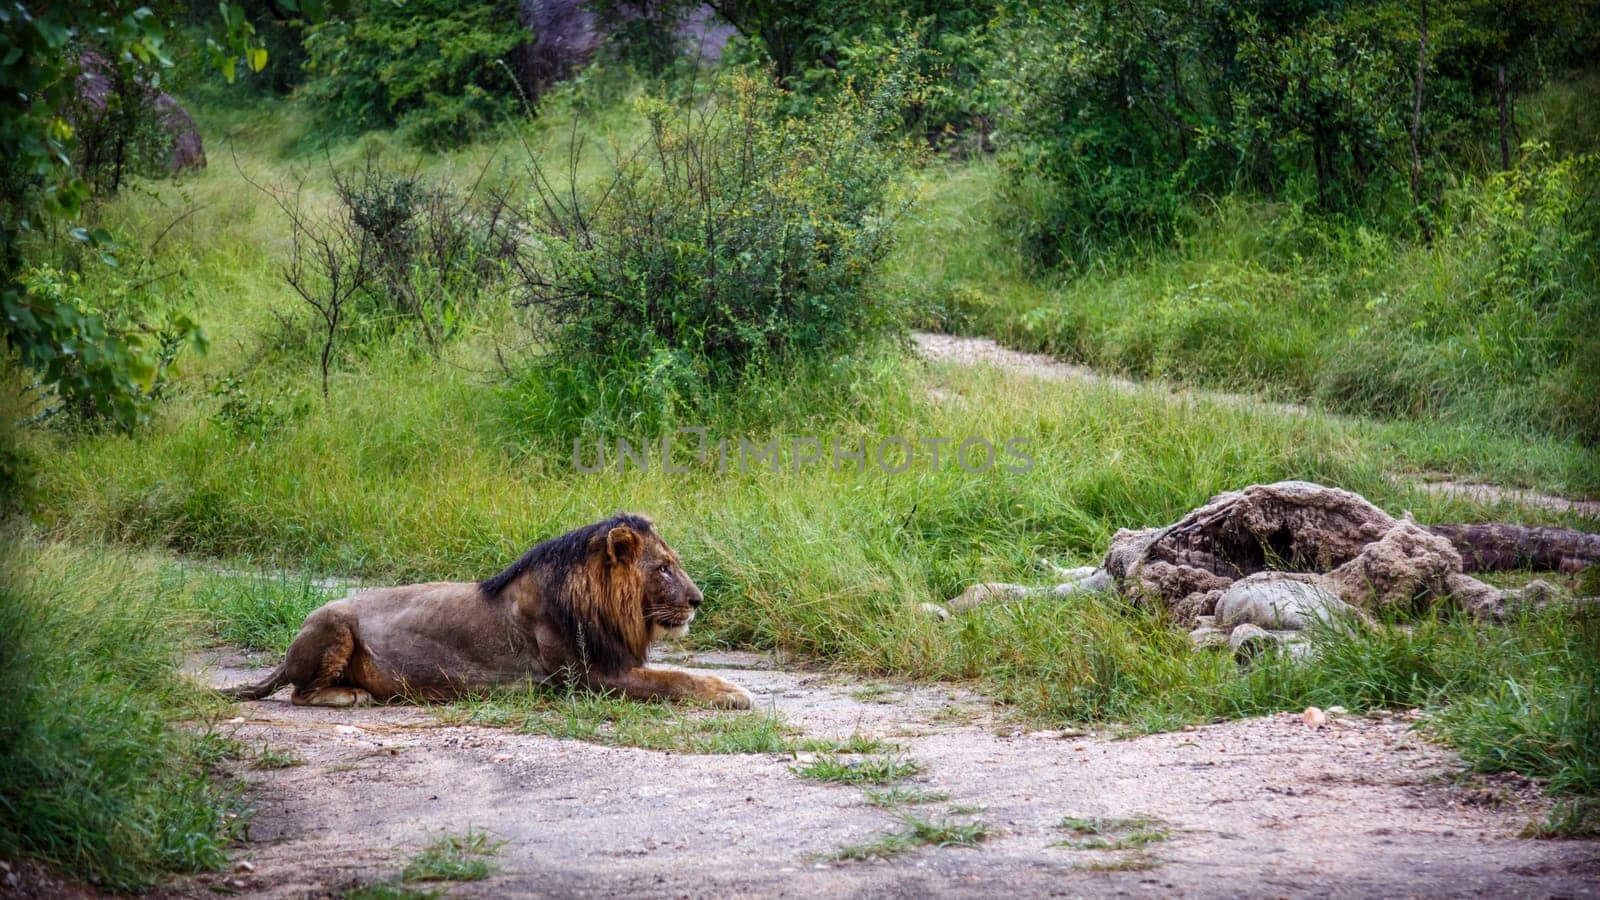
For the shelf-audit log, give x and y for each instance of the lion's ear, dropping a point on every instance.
(623, 546)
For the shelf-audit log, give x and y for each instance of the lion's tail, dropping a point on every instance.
(260, 689)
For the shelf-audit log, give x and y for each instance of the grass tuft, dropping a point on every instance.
(870, 770)
(915, 832)
(904, 796)
(462, 857)
(1114, 834)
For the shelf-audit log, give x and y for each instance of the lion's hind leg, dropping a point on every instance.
(319, 660)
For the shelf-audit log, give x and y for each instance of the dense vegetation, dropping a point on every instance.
(420, 282)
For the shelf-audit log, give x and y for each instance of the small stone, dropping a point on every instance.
(1206, 638)
(1338, 711)
(236, 720)
(500, 758)
(1313, 717)
(244, 865)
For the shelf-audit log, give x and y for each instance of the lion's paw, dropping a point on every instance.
(727, 695)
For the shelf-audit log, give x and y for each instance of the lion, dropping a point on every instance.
(581, 608)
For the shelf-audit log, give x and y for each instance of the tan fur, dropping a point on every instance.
(587, 620)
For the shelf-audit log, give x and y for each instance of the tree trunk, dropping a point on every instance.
(1505, 118)
(1416, 128)
(1498, 546)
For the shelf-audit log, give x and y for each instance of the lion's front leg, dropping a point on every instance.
(665, 684)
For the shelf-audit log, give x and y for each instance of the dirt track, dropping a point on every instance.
(1264, 807)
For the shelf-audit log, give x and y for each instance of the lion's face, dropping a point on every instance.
(668, 597)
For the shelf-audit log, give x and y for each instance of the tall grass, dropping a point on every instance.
(100, 775)
(1484, 333)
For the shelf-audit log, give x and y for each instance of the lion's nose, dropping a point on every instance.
(695, 597)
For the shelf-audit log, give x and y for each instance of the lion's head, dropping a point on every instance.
(648, 572)
(613, 586)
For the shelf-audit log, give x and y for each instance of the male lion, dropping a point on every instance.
(585, 606)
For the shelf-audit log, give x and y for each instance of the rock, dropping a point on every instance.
(1208, 638)
(1278, 601)
(937, 610)
(1098, 581)
(244, 865)
(1250, 641)
(1313, 717)
(1338, 711)
(94, 84)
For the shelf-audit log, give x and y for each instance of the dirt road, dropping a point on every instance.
(1264, 807)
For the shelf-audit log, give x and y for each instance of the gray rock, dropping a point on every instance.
(1208, 639)
(1278, 601)
(1097, 581)
(1250, 641)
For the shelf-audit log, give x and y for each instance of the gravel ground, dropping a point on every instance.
(1260, 807)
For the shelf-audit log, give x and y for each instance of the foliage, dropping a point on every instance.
(814, 49)
(1489, 329)
(644, 33)
(730, 239)
(1122, 113)
(108, 356)
(98, 779)
(41, 186)
(432, 68)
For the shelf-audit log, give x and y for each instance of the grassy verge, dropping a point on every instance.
(614, 721)
(101, 777)
(1267, 300)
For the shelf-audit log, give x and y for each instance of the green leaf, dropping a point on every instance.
(257, 58)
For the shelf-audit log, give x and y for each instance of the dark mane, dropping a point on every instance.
(561, 557)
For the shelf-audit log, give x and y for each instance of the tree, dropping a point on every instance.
(90, 360)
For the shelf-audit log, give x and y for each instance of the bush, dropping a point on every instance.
(429, 67)
(731, 239)
(1121, 114)
(109, 347)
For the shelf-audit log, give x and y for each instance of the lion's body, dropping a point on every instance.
(584, 606)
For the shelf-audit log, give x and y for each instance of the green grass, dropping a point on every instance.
(106, 750)
(856, 742)
(390, 890)
(463, 857)
(611, 720)
(903, 796)
(1134, 833)
(268, 758)
(916, 832)
(1428, 344)
(258, 612)
(867, 770)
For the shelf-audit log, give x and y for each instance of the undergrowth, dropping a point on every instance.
(106, 756)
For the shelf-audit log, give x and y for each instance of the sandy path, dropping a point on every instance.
(983, 351)
(1264, 807)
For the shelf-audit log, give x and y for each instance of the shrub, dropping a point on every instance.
(430, 67)
(1120, 114)
(115, 342)
(729, 240)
